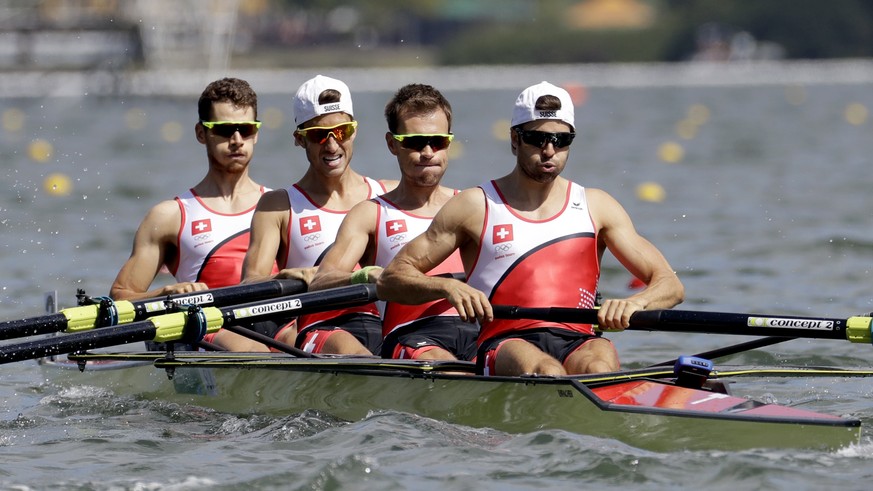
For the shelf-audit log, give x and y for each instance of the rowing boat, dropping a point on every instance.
(645, 408)
(686, 406)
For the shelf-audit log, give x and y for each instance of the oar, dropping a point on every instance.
(109, 313)
(730, 350)
(855, 329)
(192, 324)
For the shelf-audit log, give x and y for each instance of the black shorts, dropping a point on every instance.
(556, 342)
(268, 328)
(448, 332)
(366, 328)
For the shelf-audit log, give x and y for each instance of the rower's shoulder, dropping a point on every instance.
(162, 220)
(164, 210)
(274, 200)
(469, 195)
(599, 197)
(388, 184)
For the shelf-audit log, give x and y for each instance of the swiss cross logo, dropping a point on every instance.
(393, 227)
(309, 225)
(501, 233)
(201, 226)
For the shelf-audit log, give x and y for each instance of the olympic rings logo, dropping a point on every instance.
(397, 238)
(503, 247)
(311, 237)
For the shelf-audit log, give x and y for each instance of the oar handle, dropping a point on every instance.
(554, 314)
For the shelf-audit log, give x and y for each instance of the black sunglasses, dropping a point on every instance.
(541, 138)
(226, 129)
(417, 142)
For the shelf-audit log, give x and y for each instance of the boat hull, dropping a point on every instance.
(639, 410)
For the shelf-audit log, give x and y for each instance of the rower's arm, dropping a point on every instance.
(640, 257)
(354, 245)
(265, 240)
(456, 226)
(154, 245)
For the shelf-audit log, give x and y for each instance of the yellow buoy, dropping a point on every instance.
(40, 150)
(651, 192)
(671, 152)
(856, 113)
(57, 184)
(13, 119)
(500, 129)
(171, 131)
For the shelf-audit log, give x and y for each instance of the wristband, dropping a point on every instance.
(363, 275)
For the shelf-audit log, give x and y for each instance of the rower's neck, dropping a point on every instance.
(335, 192)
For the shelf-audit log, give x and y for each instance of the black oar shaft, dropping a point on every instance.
(110, 336)
(296, 305)
(855, 329)
(742, 324)
(33, 326)
(219, 297)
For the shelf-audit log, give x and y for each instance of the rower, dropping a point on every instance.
(202, 235)
(294, 227)
(419, 134)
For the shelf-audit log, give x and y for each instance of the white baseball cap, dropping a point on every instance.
(306, 104)
(525, 106)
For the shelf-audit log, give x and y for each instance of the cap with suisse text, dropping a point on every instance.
(306, 104)
(525, 106)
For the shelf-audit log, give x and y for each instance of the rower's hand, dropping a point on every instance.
(304, 274)
(186, 287)
(471, 304)
(615, 314)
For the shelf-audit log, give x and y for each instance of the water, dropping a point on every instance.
(767, 212)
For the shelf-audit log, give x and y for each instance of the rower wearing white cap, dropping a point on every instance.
(534, 239)
(295, 226)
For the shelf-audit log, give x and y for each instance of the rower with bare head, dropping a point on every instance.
(534, 239)
(295, 227)
(419, 133)
(201, 236)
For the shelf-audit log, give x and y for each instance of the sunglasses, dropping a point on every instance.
(320, 134)
(541, 138)
(226, 129)
(417, 142)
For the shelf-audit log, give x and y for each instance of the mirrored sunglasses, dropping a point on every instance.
(417, 142)
(320, 134)
(541, 138)
(226, 129)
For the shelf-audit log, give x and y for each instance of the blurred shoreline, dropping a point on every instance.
(186, 83)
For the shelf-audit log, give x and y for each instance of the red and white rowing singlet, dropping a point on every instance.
(212, 245)
(536, 263)
(311, 232)
(394, 229)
